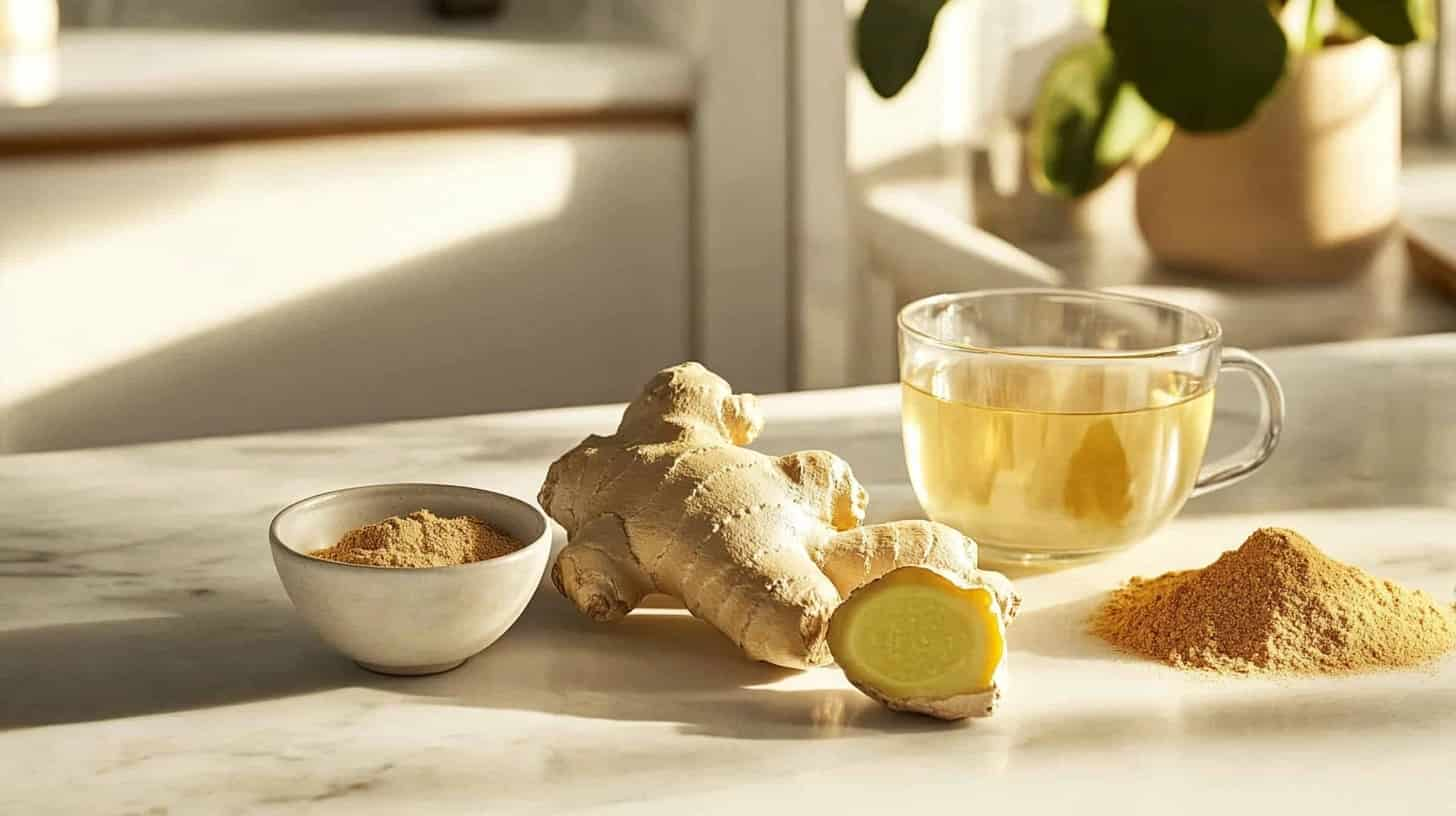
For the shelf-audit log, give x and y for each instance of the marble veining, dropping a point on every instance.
(150, 662)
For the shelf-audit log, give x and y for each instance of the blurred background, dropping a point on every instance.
(223, 216)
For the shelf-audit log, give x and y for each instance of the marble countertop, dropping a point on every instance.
(151, 663)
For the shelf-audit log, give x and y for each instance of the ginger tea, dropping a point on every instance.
(1059, 460)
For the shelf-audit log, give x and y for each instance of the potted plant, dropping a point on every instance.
(1267, 131)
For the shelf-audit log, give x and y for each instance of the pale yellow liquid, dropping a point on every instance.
(1054, 461)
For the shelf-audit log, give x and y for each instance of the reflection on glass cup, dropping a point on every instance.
(1055, 425)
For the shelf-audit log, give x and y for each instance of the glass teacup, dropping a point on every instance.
(1056, 425)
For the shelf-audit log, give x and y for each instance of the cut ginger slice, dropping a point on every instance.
(918, 640)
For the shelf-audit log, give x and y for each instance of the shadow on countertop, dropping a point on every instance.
(201, 648)
(657, 665)
(198, 649)
(1061, 631)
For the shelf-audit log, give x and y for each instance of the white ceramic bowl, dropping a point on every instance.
(403, 620)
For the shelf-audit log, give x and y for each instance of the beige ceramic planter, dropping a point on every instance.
(1307, 190)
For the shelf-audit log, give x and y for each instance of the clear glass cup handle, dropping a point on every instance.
(1248, 459)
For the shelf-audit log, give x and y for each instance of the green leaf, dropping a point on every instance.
(1397, 22)
(1088, 122)
(891, 38)
(1205, 64)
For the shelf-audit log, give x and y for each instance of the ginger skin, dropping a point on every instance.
(763, 548)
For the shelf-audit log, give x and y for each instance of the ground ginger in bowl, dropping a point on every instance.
(420, 539)
(421, 591)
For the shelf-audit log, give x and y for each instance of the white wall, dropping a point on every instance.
(731, 301)
(162, 294)
(911, 133)
(931, 111)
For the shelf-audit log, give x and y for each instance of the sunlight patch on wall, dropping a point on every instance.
(106, 258)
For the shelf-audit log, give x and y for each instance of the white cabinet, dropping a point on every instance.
(221, 288)
(207, 231)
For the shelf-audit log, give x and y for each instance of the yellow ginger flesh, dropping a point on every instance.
(763, 548)
(920, 641)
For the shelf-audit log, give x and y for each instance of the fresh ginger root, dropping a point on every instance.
(918, 640)
(763, 548)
